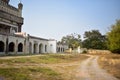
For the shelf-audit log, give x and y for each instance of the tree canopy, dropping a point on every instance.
(114, 37)
(94, 40)
(72, 40)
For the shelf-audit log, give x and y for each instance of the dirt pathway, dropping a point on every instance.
(80, 70)
(90, 70)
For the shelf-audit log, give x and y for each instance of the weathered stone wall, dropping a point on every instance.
(10, 16)
(52, 44)
(9, 9)
(92, 51)
(11, 22)
(31, 45)
(11, 39)
(61, 48)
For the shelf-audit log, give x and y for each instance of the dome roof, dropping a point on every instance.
(20, 5)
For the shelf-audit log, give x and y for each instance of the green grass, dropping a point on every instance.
(24, 73)
(14, 74)
(47, 59)
(45, 71)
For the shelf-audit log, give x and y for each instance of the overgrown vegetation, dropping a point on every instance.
(111, 63)
(47, 58)
(114, 38)
(72, 40)
(14, 74)
(84, 52)
(39, 67)
(94, 40)
(28, 73)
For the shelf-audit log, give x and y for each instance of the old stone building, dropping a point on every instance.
(13, 41)
(61, 47)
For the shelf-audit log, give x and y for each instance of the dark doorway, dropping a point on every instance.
(45, 48)
(40, 48)
(1, 46)
(20, 47)
(35, 48)
(11, 47)
(30, 47)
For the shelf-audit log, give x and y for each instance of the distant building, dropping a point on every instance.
(61, 47)
(12, 40)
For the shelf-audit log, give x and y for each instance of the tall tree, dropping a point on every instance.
(94, 40)
(114, 37)
(73, 40)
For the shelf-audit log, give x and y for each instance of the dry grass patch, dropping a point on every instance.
(45, 67)
(110, 62)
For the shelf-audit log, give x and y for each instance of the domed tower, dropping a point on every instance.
(20, 7)
(11, 19)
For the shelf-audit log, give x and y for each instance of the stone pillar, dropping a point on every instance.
(37, 49)
(24, 50)
(6, 50)
(16, 47)
(19, 27)
(27, 44)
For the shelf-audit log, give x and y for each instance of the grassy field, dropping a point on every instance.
(40, 67)
(111, 63)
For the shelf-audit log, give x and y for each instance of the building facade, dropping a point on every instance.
(12, 40)
(61, 47)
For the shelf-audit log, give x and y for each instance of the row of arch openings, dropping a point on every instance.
(11, 47)
(60, 49)
(35, 46)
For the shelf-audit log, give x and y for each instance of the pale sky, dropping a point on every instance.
(57, 18)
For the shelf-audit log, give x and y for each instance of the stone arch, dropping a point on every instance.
(35, 48)
(2, 45)
(20, 47)
(11, 47)
(41, 48)
(61, 49)
(45, 48)
(58, 49)
(30, 47)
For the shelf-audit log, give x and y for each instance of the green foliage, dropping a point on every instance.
(45, 71)
(114, 37)
(94, 40)
(73, 40)
(14, 74)
(23, 73)
(84, 52)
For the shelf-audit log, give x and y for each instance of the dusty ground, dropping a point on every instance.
(90, 70)
(77, 70)
(111, 63)
(85, 70)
